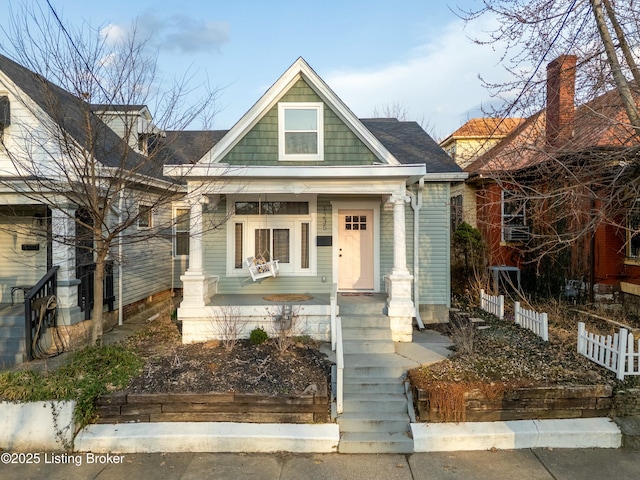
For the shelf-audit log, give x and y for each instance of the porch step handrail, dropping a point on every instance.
(333, 310)
(340, 368)
(48, 285)
(336, 346)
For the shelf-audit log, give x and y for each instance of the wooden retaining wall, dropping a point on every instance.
(526, 404)
(212, 407)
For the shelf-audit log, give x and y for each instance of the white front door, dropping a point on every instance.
(355, 250)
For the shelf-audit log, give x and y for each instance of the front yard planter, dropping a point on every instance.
(212, 407)
(554, 402)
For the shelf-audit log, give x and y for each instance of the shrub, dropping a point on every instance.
(258, 336)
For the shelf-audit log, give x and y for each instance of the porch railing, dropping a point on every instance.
(48, 285)
(86, 296)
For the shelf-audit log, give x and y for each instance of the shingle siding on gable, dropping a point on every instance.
(260, 145)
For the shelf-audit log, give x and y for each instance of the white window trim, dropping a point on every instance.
(142, 206)
(319, 107)
(174, 217)
(293, 222)
(502, 217)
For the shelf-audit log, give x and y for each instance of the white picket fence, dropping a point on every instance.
(619, 353)
(493, 304)
(537, 322)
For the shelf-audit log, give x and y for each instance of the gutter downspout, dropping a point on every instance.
(120, 306)
(416, 205)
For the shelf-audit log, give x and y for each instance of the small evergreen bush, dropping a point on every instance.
(258, 336)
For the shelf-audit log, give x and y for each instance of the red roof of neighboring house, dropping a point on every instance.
(602, 122)
(487, 127)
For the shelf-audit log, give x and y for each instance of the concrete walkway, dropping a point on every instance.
(530, 464)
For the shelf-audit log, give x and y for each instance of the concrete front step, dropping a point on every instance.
(12, 331)
(11, 321)
(368, 333)
(365, 306)
(373, 422)
(364, 321)
(372, 442)
(8, 360)
(386, 402)
(355, 373)
(12, 345)
(367, 385)
(368, 346)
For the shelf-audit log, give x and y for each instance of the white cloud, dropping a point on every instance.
(436, 82)
(114, 33)
(179, 33)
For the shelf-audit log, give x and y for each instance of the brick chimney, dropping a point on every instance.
(561, 89)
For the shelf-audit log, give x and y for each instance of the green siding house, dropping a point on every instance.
(302, 197)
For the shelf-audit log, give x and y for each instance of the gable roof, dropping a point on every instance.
(410, 144)
(599, 123)
(299, 69)
(485, 127)
(69, 113)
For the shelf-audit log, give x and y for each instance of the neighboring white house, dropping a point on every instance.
(41, 229)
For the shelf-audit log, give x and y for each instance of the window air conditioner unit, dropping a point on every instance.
(519, 233)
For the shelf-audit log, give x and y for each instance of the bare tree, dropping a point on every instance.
(398, 111)
(586, 175)
(95, 147)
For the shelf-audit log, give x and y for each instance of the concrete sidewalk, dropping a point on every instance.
(536, 464)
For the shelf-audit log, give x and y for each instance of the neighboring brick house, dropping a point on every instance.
(561, 134)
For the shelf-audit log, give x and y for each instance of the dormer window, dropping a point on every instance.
(147, 143)
(300, 131)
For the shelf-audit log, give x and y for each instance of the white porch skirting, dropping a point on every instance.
(207, 323)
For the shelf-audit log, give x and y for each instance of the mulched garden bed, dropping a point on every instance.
(500, 359)
(171, 367)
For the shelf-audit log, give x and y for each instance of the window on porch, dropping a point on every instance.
(273, 230)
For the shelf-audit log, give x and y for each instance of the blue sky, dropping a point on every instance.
(413, 53)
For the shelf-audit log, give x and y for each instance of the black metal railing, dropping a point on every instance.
(46, 287)
(86, 275)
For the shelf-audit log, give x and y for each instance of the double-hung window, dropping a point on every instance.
(514, 221)
(633, 233)
(145, 216)
(273, 230)
(181, 232)
(300, 131)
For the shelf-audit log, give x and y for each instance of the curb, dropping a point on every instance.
(517, 434)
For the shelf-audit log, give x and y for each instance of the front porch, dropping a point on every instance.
(312, 314)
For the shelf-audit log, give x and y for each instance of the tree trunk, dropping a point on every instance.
(616, 70)
(98, 293)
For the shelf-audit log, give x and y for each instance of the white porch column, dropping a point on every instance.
(197, 287)
(63, 255)
(195, 237)
(398, 282)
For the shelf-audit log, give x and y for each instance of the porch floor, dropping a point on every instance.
(234, 299)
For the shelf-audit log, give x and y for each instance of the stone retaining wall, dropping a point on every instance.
(626, 403)
(212, 407)
(526, 403)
